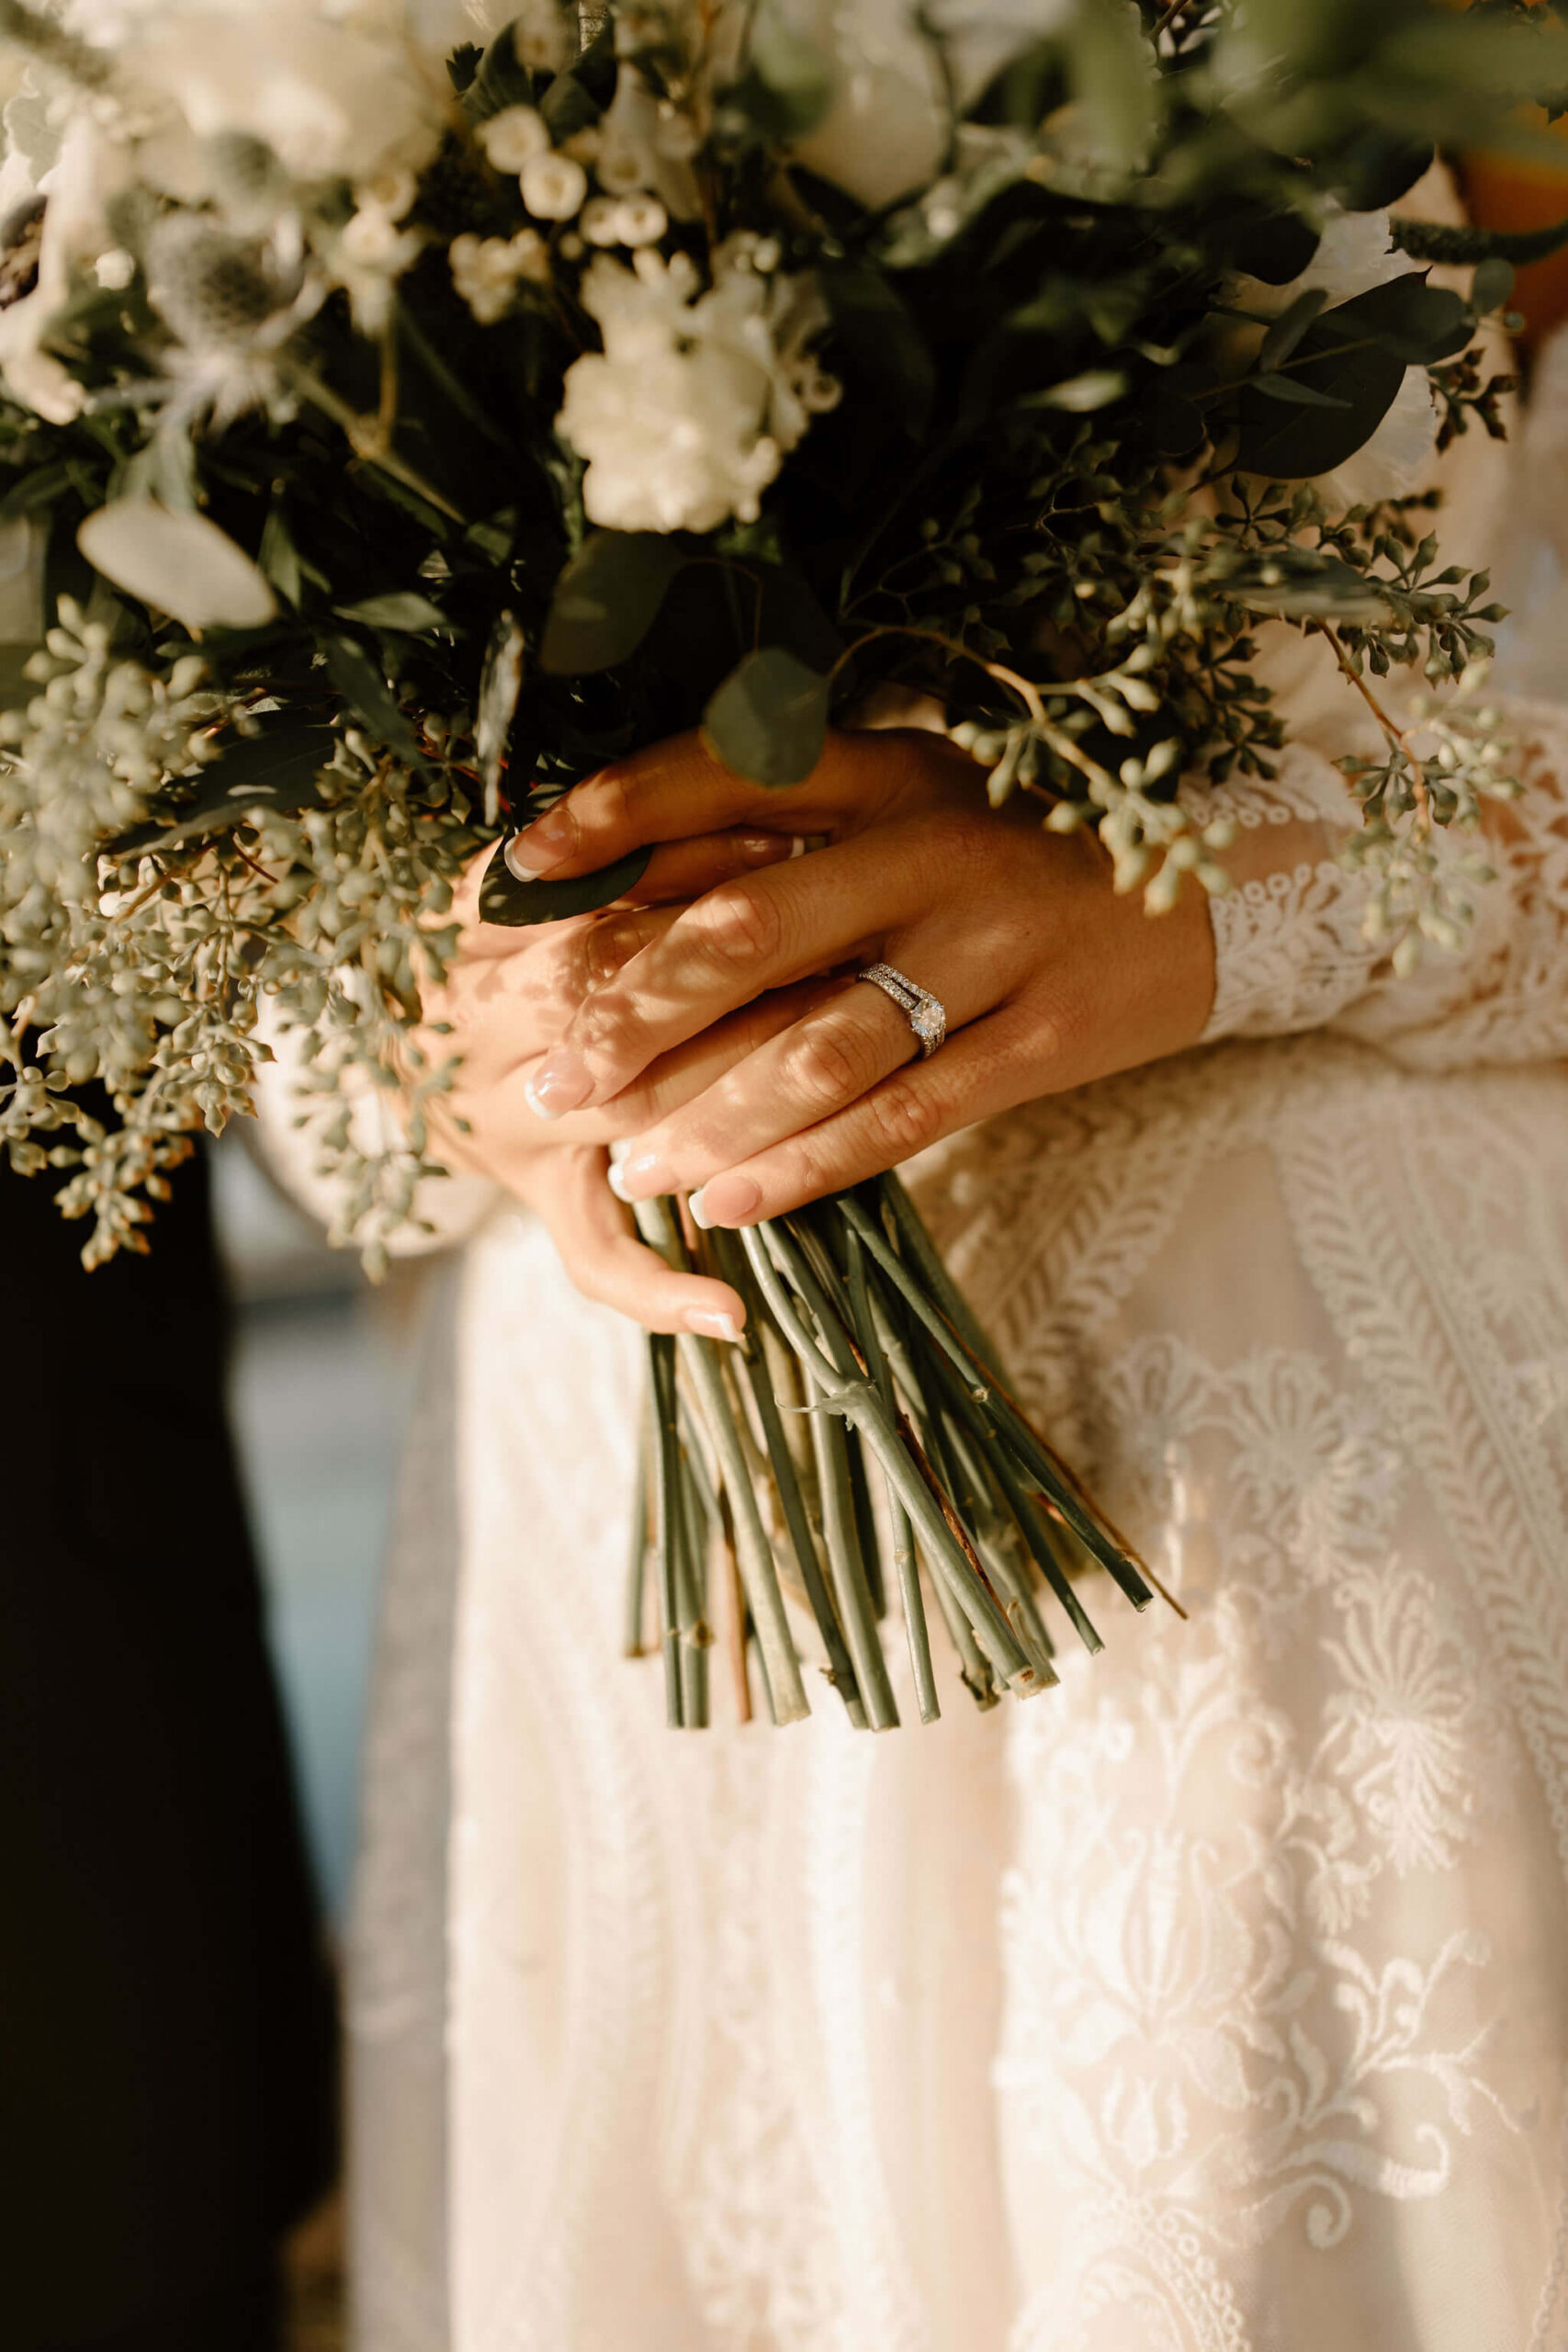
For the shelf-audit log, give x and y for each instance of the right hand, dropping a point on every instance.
(507, 997)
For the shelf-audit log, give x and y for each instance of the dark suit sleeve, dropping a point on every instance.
(165, 2010)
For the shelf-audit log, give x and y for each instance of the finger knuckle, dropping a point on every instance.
(611, 1030)
(832, 1063)
(905, 1116)
(740, 925)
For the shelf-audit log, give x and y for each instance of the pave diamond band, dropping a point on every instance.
(925, 1013)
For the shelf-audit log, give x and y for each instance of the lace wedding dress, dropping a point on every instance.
(1216, 2001)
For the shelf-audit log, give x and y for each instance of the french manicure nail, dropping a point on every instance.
(540, 847)
(714, 1324)
(724, 1200)
(797, 844)
(615, 1179)
(560, 1084)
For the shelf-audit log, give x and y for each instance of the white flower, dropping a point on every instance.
(372, 240)
(644, 143)
(600, 222)
(115, 269)
(1354, 255)
(486, 271)
(514, 137)
(687, 414)
(640, 219)
(554, 186)
(331, 101)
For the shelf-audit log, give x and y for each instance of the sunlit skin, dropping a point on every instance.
(697, 1027)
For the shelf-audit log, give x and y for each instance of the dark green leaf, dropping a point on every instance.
(578, 94)
(1356, 354)
(1272, 246)
(786, 86)
(402, 609)
(607, 598)
(463, 64)
(769, 719)
(500, 80)
(1289, 328)
(359, 681)
(279, 767)
(1296, 391)
(504, 899)
(1421, 323)
(1374, 168)
(878, 347)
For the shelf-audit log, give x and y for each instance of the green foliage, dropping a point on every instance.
(1094, 301)
(769, 718)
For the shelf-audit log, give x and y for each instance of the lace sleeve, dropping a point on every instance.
(1292, 950)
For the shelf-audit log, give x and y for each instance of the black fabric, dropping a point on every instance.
(166, 2097)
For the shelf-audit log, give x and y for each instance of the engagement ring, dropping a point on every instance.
(925, 1015)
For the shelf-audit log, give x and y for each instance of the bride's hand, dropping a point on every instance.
(1049, 980)
(505, 999)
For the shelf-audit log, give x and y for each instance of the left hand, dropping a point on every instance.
(1048, 977)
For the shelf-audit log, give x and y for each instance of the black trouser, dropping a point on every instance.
(167, 2034)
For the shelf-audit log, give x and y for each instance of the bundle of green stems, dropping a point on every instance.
(858, 1354)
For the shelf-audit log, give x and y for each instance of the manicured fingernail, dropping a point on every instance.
(541, 847)
(646, 1178)
(560, 1084)
(619, 1149)
(768, 849)
(725, 1200)
(714, 1324)
(797, 844)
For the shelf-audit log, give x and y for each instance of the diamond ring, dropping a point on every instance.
(925, 1013)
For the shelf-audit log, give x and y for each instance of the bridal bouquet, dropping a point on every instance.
(397, 427)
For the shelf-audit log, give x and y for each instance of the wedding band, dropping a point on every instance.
(925, 1015)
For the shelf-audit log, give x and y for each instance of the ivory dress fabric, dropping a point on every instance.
(1216, 2001)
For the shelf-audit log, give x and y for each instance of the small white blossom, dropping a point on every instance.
(372, 240)
(640, 219)
(486, 271)
(553, 186)
(390, 192)
(115, 269)
(686, 416)
(600, 222)
(514, 137)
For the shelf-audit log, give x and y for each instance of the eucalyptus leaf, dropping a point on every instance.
(1289, 328)
(504, 899)
(1296, 391)
(1492, 286)
(767, 721)
(403, 609)
(607, 598)
(278, 767)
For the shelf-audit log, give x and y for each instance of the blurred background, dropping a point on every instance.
(318, 1392)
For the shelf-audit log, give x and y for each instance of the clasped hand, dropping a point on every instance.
(713, 1025)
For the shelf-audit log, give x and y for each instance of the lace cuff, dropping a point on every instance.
(1291, 953)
